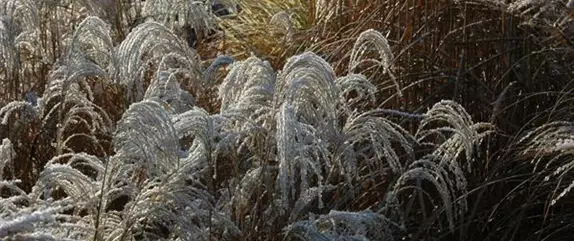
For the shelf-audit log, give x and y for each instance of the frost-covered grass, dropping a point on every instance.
(118, 129)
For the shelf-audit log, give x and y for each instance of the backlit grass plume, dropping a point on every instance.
(19, 34)
(373, 41)
(146, 44)
(306, 95)
(550, 149)
(195, 14)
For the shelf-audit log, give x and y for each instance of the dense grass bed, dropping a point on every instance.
(286, 120)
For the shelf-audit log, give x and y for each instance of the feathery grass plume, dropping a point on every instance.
(197, 124)
(148, 43)
(167, 193)
(67, 106)
(22, 15)
(201, 136)
(148, 140)
(119, 182)
(72, 182)
(25, 109)
(246, 101)
(307, 98)
(176, 14)
(28, 220)
(172, 207)
(368, 43)
(307, 83)
(455, 133)
(165, 88)
(11, 204)
(429, 170)
(450, 129)
(248, 90)
(7, 156)
(194, 129)
(343, 225)
(368, 140)
(146, 137)
(301, 154)
(92, 38)
(87, 180)
(19, 34)
(207, 139)
(89, 55)
(90, 58)
(76, 178)
(355, 90)
(243, 201)
(552, 143)
(379, 44)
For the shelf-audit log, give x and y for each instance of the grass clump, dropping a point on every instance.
(308, 120)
